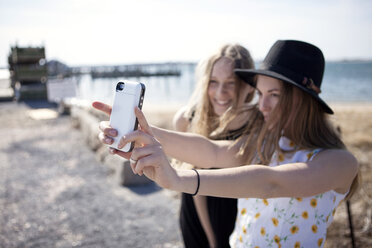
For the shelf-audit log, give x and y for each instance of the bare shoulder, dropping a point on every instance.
(342, 163)
(180, 120)
(339, 157)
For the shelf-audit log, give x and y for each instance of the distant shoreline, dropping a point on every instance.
(350, 104)
(257, 61)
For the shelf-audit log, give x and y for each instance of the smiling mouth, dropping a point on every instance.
(222, 103)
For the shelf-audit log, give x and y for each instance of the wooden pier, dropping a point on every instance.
(130, 70)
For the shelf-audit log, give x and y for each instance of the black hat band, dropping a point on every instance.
(295, 77)
(309, 83)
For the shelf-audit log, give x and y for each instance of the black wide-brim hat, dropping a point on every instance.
(296, 62)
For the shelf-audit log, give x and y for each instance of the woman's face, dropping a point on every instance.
(222, 86)
(269, 90)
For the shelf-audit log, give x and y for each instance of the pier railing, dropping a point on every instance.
(131, 70)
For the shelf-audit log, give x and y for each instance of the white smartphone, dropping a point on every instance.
(128, 94)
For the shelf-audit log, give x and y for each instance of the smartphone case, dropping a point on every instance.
(128, 95)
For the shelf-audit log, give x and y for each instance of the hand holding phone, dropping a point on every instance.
(128, 95)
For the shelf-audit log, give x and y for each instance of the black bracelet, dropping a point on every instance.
(197, 187)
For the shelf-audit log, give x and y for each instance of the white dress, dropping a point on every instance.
(285, 222)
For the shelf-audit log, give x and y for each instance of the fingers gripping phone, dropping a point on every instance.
(128, 94)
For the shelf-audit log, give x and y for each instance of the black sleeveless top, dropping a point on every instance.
(222, 212)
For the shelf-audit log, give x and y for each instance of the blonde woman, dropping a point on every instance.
(219, 95)
(302, 169)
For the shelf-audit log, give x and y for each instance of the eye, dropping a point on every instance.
(275, 95)
(213, 84)
(230, 85)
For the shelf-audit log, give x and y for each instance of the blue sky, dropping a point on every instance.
(91, 32)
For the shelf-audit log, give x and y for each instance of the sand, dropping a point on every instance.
(54, 192)
(355, 121)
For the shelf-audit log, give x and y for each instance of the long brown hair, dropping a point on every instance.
(204, 120)
(304, 121)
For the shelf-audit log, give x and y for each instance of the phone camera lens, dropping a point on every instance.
(120, 86)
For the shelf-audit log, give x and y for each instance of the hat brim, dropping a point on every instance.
(246, 75)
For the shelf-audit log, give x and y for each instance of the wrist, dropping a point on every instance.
(156, 132)
(188, 181)
(198, 182)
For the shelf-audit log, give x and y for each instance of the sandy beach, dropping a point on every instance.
(46, 205)
(54, 192)
(355, 121)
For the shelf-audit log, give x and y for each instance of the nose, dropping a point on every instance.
(263, 104)
(221, 90)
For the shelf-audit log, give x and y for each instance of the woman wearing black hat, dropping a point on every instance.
(301, 168)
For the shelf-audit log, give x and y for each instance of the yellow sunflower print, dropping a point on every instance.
(314, 228)
(309, 155)
(263, 231)
(297, 245)
(294, 229)
(265, 202)
(275, 221)
(305, 215)
(313, 202)
(281, 157)
(320, 241)
(276, 239)
(243, 212)
(257, 216)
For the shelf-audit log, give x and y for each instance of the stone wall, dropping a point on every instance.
(87, 120)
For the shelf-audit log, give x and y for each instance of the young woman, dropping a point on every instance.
(219, 95)
(301, 172)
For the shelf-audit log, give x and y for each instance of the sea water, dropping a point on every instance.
(347, 82)
(342, 82)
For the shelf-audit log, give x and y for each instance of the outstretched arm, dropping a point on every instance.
(329, 170)
(198, 150)
(191, 148)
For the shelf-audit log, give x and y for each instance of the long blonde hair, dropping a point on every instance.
(204, 120)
